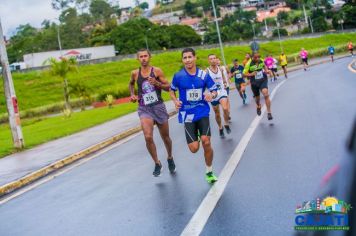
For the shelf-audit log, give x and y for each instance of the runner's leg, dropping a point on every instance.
(267, 99)
(147, 128)
(164, 132)
(225, 107)
(217, 116)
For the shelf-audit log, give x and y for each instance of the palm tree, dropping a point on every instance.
(61, 68)
(82, 91)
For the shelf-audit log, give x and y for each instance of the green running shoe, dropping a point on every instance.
(211, 178)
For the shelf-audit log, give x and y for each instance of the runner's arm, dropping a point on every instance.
(172, 93)
(132, 86)
(162, 83)
(246, 71)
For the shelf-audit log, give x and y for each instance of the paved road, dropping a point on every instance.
(114, 194)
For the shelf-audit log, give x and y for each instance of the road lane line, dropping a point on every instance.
(207, 206)
(350, 66)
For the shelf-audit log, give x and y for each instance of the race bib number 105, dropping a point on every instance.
(194, 95)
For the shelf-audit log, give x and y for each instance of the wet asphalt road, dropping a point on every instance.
(115, 193)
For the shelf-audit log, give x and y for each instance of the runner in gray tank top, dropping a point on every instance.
(151, 109)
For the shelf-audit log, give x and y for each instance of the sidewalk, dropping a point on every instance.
(19, 169)
(18, 165)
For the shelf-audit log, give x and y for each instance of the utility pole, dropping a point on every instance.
(305, 15)
(59, 40)
(311, 25)
(11, 100)
(218, 31)
(279, 35)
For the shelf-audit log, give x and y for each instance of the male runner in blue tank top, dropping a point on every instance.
(192, 83)
(151, 110)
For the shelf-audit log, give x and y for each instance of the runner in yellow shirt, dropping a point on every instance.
(283, 62)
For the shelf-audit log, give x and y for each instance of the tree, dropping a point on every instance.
(143, 5)
(61, 4)
(283, 17)
(282, 32)
(189, 8)
(61, 69)
(320, 24)
(82, 91)
(100, 9)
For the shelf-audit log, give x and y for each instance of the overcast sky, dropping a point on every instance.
(19, 12)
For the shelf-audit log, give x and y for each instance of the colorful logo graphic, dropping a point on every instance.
(328, 214)
(77, 55)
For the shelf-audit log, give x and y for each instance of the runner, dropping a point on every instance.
(304, 56)
(227, 77)
(283, 62)
(257, 71)
(270, 63)
(151, 110)
(237, 73)
(331, 51)
(247, 58)
(350, 47)
(218, 76)
(191, 82)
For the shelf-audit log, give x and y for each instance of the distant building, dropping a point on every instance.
(251, 3)
(125, 15)
(166, 1)
(263, 14)
(171, 18)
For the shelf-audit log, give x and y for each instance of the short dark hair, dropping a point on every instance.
(212, 54)
(185, 50)
(144, 50)
(235, 60)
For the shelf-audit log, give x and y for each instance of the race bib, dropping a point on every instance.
(194, 95)
(150, 98)
(238, 76)
(259, 75)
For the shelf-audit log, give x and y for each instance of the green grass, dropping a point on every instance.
(41, 130)
(38, 89)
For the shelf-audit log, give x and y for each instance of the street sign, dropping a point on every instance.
(254, 46)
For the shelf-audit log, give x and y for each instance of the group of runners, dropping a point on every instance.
(196, 88)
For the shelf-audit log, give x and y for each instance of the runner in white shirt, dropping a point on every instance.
(220, 80)
(227, 77)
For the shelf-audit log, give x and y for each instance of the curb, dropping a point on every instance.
(32, 177)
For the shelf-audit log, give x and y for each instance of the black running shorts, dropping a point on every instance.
(258, 85)
(198, 128)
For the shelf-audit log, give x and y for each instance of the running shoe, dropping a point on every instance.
(157, 170)
(269, 116)
(171, 165)
(210, 177)
(228, 130)
(259, 110)
(222, 135)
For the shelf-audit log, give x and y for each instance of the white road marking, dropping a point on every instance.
(201, 216)
(68, 168)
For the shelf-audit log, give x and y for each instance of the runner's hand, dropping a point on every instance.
(133, 98)
(178, 104)
(208, 97)
(152, 81)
